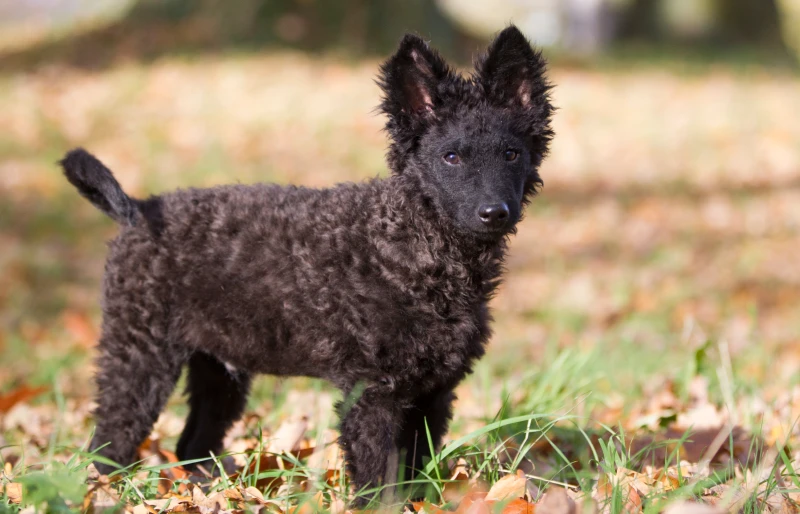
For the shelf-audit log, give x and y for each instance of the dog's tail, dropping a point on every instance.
(96, 183)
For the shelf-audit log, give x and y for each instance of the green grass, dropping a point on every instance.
(661, 250)
(542, 424)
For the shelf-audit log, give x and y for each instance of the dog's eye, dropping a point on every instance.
(452, 158)
(511, 155)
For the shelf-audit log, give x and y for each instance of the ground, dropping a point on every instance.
(653, 287)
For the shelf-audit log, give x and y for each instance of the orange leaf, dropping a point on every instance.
(556, 501)
(80, 328)
(469, 499)
(309, 507)
(519, 506)
(171, 475)
(168, 455)
(481, 506)
(507, 488)
(168, 477)
(633, 503)
(19, 395)
(14, 492)
(427, 508)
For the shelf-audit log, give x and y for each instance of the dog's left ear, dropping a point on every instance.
(513, 74)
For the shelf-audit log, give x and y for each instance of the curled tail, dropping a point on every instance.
(96, 183)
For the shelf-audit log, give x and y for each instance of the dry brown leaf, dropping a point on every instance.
(144, 509)
(100, 496)
(480, 507)
(455, 490)
(691, 508)
(21, 394)
(424, 507)
(520, 506)
(81, 328)
(215, 501)
(167, 455)
(460, 471)
(508, 487)
(337, 505)
(556, 501)
(624, 479)
(633, 502)
(470, 498)
(159, 505)
(288, 436)
(327, 455)
(311, 506)
(251, 493)
(13, 491)
(269, 461)
(169, 476)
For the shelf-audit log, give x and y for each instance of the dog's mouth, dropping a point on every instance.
(492, 234)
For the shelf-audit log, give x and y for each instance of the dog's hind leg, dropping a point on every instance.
(217, 398)
(136, 374)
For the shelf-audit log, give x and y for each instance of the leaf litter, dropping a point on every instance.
(680, 211)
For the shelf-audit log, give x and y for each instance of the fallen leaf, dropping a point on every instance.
(427, 508)
(470, 498)
(19, 395)
(556, 501)
(459, 484)
(480, 507)
(633, 502)
(288, 436)
(268, 461)
(337, 505)
(508, 487)
(143, 509)
(619, 483)
(691, 508)
(169, 476)
(14, 492)
(310, 506)
(520, 506)
(81, 328)
(251, 493)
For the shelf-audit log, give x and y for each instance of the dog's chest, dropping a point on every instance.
(440, 342)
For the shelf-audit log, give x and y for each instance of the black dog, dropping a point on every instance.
(379, 287)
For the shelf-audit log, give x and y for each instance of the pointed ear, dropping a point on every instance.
(512, 73)
(409, 80)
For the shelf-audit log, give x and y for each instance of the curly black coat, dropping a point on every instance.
(379, 287)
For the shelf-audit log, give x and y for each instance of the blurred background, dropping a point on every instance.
(667, 236)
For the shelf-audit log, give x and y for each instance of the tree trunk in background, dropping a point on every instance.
(735, 22)
(359, 26)
(750, 21)
(640, 21)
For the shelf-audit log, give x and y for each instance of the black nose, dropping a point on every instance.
(494, 215)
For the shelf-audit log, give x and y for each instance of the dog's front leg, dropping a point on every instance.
(369, 431)
(429, 416)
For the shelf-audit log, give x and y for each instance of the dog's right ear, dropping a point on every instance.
(409, 80)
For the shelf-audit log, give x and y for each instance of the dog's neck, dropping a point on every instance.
(452, 252)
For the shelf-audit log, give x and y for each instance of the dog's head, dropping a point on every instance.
(475, 144)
